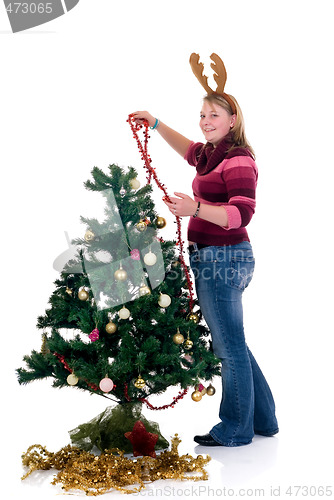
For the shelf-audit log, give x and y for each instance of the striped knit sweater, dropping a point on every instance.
(223, 178)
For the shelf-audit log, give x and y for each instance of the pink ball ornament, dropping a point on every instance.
(135, 254)
(106, 384)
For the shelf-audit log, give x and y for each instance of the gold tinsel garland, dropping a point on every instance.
(98, 474)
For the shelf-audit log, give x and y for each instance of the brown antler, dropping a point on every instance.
(220, 75)
(198, 68)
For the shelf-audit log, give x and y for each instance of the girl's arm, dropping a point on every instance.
(177, 141)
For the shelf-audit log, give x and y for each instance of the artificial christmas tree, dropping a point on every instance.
(119, 323)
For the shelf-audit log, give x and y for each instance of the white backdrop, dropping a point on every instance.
(66, 90)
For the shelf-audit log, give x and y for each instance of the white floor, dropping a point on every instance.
(296, 461)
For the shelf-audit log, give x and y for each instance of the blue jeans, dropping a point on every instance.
(247, 406)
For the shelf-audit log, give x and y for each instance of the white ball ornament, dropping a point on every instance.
(72, 379)
(124, 313)
(164, 300)
(150, 259)
(134, 183)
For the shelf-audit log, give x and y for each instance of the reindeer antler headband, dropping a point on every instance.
(220, 76)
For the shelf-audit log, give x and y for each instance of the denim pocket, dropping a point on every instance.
(242, 269)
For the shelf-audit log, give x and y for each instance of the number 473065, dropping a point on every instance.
(309, 491)
(31, 8)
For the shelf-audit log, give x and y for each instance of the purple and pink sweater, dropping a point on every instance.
(227, 178)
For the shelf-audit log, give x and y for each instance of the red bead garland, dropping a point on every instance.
(152, 173)
(150, 406)
(164, 407)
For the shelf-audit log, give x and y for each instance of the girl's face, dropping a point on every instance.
(215, 122)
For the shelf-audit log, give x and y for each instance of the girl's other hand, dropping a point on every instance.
(182, 206)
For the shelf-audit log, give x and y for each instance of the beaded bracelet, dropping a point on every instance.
(196, 213)
(155, 125)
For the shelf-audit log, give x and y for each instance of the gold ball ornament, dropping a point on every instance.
(164, 300)
(144, 290)
(120, 274)
(161, 222)
(83, 294)
(193, 317)
(111, 327)
(150, 258)
(72, 379)
(89, 235)
(141, 226)
(124, 313)
(134, 183)
(139, 383)
(196, 396)
(210, 390)
(188, 344)
(178, 338)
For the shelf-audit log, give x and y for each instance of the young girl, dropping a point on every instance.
(222, 261)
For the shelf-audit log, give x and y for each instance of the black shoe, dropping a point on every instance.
(206, 440)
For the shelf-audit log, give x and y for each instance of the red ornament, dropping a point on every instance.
(143, 442)
(94, 335)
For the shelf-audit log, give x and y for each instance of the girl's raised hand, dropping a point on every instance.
(141, 116)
